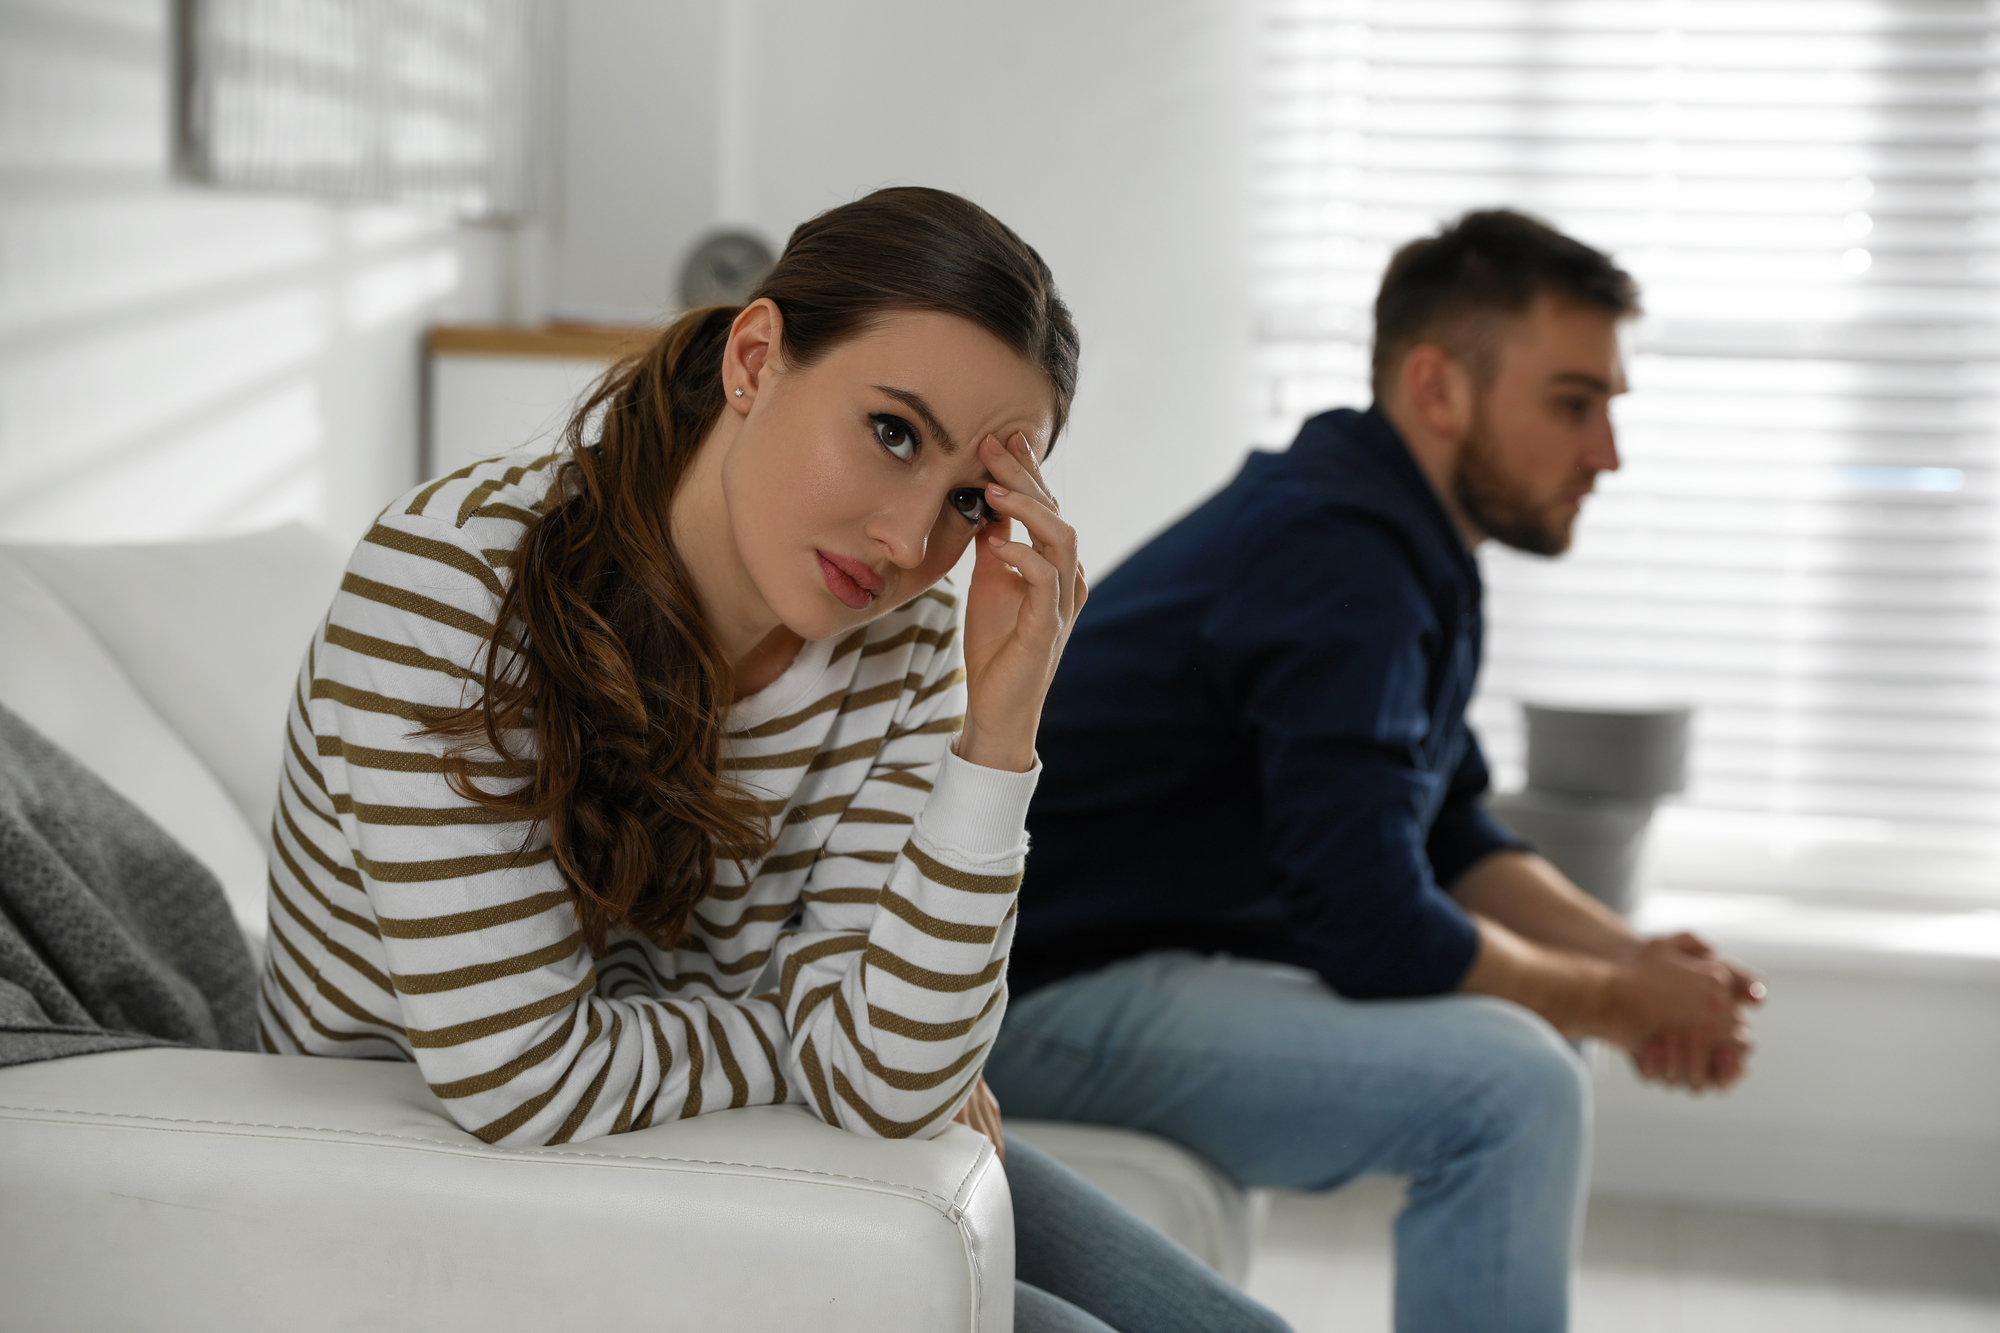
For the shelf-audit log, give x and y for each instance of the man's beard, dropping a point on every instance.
(1496, 504)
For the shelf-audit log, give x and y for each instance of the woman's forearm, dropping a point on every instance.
(893, 995)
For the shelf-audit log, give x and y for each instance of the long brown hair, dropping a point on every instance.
(599, 646)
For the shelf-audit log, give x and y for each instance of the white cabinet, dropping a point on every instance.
(490, 390)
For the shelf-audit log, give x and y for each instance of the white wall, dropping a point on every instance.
(639, 129)
(1109, 134)
(177, 361)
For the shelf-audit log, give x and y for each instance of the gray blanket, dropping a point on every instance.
(111, 934)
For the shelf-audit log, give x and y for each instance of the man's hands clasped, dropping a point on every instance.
(1023, 602)
(1680, 1010)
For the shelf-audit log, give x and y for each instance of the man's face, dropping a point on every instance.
(1541, 431)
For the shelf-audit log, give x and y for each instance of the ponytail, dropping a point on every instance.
(616, 672)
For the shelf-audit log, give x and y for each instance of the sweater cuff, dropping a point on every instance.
(981, 811)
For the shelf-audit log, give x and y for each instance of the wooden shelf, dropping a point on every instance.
(578, 342)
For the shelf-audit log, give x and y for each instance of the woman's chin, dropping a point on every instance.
(822, 616)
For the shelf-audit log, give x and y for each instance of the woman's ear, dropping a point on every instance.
(751, 352)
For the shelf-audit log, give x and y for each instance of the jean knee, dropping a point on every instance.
(1542, 1084)
(1562, 1079)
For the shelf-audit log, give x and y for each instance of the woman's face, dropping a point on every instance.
(854, 484)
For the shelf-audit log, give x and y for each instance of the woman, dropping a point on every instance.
(653, 776)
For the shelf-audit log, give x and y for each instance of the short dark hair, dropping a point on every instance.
(1454, 288)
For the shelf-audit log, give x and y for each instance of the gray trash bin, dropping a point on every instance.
(1594, 777)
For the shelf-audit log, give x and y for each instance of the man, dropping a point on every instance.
(1265, 914)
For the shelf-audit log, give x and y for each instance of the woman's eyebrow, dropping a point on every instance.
(915, 402)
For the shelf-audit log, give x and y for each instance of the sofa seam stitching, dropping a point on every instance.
(482, 1150)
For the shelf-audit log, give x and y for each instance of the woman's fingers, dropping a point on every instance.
(1012, 461)
(1030, 558)
(1044, 582)
(1017, 445)
(1013, 466)
(1051, 538)
(1017, 492)
(1024, 620)
(982, 1113)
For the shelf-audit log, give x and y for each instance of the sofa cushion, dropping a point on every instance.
(211, 634)
(55, 674)
(1182, 1194)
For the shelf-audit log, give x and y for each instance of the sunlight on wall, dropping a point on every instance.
(178, 361)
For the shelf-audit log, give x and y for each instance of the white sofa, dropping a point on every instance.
(170, 1189)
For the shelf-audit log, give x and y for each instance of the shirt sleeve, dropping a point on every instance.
(895, 981)
(1464, 834)
(1324, 648)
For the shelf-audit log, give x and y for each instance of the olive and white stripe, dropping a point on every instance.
(859, 967)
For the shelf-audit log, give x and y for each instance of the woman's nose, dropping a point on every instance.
(904, 532)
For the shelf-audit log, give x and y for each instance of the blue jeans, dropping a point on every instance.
(1083, 1264)
(1280, 1082)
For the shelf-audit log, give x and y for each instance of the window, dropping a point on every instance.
(418, 101)
(1803, 539)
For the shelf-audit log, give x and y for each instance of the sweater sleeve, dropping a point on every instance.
(895, 981)
(466, 953)
(1326, 660)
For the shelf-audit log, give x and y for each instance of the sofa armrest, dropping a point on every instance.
(176, 1189)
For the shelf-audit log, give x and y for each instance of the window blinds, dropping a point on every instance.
(428, 102)
(1802, 541)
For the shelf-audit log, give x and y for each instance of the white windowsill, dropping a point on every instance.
(1851, 897)
(1767, 930)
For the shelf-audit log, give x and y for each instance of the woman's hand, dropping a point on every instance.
(1022, 605)
(982, 1112)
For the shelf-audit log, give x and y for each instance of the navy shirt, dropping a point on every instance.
(1256, 742)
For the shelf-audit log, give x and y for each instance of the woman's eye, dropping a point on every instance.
(969, 503)
(895, 435)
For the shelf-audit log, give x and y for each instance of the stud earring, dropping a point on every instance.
(739, 393)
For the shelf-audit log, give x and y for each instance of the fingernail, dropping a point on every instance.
(994, 488)
(996, 541)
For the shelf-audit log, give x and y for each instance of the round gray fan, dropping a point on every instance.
(724, 269)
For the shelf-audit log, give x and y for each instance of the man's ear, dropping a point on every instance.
(1438, 391)
(751, 352)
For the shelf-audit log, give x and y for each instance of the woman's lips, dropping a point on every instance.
(852, 581)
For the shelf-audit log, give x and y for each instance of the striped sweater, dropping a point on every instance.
(859, 968)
